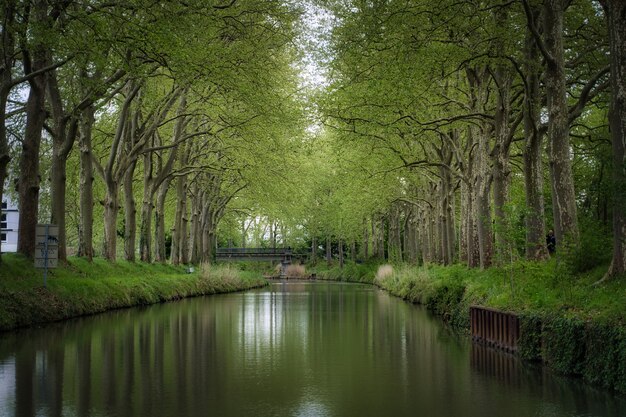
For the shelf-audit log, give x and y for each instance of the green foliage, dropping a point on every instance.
(605, 353)
(529, 344)
(593, 249)
(564, 344)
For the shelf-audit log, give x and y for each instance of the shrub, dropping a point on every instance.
(384, 272)
(295, 271)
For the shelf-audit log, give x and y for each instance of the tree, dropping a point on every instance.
(615, 12)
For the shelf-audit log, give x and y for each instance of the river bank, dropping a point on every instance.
(572, 326)
(83, 288)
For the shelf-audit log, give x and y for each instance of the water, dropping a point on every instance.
(295, 349)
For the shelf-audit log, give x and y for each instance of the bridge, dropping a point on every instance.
(254, 254)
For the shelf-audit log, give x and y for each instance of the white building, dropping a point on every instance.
(9, 220)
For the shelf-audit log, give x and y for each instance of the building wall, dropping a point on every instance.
(9, 220)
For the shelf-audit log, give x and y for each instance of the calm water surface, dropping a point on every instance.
(294, 349)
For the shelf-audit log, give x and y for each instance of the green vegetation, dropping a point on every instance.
(83, 288)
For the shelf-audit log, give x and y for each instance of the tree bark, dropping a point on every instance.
(340, 253)
(8, 57)
(110, 222)
(130, 215)
(85, 236)
(500, 156)
(563, 195)
(366, 241)
(159, 222)
(29, 179)
(329, 257)
(615, 11)
(533, 167)
(313, 250)
(481, 177)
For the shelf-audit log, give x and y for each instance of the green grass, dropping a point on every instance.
(354, 272)
(538, 287)
(82, 287)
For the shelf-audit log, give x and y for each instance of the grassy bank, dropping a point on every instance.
(571, 325)
(82, 288)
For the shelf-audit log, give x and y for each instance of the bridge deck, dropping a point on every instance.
(253, 254)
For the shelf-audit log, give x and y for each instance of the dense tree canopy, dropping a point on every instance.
(413, 131)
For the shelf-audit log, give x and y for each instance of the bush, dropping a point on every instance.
(593, 248)
(295, 271)
(383, 273)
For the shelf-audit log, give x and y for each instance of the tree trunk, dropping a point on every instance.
(29, 178)
(159, 222)
(179, 232)
(393, 239)
(145, 230)
(340, 253)
(194, 232)
(615, 11)
(563, 196)
(85, 236)
(533, 167)
(481, 177)
(329, 257)
(501, 167)
(110, 222)
(353, 250)
(314, 250)
(366, 241)
(130, 214)
(7, 49)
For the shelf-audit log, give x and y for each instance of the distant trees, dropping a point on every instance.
(459, 96)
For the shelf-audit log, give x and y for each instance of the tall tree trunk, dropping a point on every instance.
(366, 241)
(481, 177)
(159, 222)
(29, 179)
(145, 230)
(184, 235)
(533, 167)
(501, 167)
(8, 57)
(393, 239)
(314, 250)
(194, 232)
(110, 222)
(353, 250)
(482, 207)
(329, 257)
(563, 196)
(340, 253)
(615, 11)
(130, 214)
(179, 233)
(85, 236)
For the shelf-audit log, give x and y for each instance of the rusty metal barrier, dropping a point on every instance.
(494, 328)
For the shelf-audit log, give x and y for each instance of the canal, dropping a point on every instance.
(291, 349)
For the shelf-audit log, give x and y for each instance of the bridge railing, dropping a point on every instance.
(253, 251)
